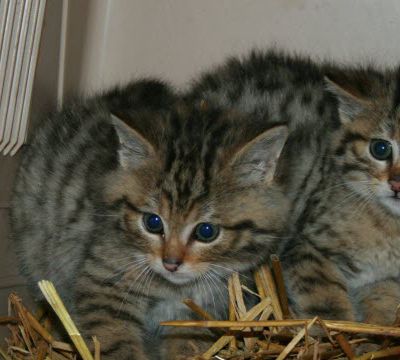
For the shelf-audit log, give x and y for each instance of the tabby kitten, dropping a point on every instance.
(128, 217)
(340, 169)
(344, 260)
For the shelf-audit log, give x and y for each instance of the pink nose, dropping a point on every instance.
(171, 264)
(395, 185)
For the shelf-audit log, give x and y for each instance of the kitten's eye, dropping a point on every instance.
(153, 223)
(380, 149)
(206, 232)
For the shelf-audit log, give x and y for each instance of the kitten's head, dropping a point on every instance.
(367, 148)
(198, 191)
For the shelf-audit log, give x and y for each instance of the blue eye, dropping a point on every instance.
(153, 223)
(380, 149)
(206, 232)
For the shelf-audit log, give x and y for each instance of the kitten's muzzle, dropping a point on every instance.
(171, 264)
(395, 185)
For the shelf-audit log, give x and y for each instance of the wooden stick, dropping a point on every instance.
(56, 303)
(224, 340)
(197, 309)
(296, 340)
(265, 315)
(26, 340)
(4, 320)
(341, 340)
(39, 328)
(96, 348)
(20, 311)
(41, 350)
(253, 313)
(202, 313)
(280, 284)
(344, 326)
(232, 315)
(259, 284)
(235, 324)
(241, 308)
(58, 345)
(268, 283)
(238, 295)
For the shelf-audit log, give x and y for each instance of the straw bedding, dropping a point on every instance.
(266, 331)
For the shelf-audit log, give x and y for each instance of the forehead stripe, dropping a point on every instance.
(248, 225)
(396, 96)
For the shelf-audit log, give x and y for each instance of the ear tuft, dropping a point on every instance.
(134, 149)
(256, 161)
(351, 99)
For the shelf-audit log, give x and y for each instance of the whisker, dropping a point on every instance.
(206, 279)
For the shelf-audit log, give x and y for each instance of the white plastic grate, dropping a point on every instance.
(21, 24)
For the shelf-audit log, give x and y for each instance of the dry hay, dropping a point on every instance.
(30, 336)
(266, 331)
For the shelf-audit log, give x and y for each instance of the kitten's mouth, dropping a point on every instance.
(177, 278)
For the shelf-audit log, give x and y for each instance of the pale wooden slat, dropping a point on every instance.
(25, 53)
(10, 66)
(5, 51)
(11, 122)
(23, 128)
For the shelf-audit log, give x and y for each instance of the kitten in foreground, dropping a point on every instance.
(130, 214)
(340, 169)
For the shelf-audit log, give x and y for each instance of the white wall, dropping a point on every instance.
(177, 38)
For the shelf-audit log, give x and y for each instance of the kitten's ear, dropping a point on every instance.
(134, 149)
(256, 161)
(350, 92)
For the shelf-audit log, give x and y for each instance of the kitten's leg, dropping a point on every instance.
(377, 303)
(113, 315)
(315, 285)
(120, 338)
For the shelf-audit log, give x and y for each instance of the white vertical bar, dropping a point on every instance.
(31, 74)
(5, 7)
(25, 59)
(11, 123)
(4, 56)
(23, 89)
(63, 46)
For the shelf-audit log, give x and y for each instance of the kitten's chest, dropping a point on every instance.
(172, 307)
(377, 261)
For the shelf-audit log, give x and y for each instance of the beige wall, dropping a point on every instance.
(177, 38)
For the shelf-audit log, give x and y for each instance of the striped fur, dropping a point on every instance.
(86, 182)
(343, 228)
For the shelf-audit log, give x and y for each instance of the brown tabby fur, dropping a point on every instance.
(86, 183)
(343, 227)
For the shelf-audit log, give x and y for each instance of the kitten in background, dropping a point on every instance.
(340, 170)
(130, 214)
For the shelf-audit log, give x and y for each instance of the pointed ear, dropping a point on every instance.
(350, 92)
(134, 149)
(256, 161)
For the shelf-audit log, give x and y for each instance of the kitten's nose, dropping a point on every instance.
(394, 182)
(395, 185)
(171, 264)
